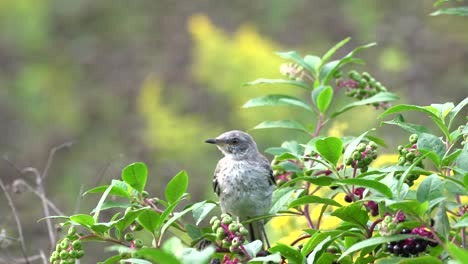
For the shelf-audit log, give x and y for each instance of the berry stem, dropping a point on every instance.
(306, 209)
(370, 231)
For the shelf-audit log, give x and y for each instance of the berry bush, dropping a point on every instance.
(402, 213)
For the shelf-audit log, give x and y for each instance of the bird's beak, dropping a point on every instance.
(211, 141)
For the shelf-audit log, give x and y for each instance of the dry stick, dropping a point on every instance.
(45, 207)
(49, 202)
(17, 220)
(43, 257)
(52, 154)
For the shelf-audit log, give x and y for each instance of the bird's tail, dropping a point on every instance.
(257, 232)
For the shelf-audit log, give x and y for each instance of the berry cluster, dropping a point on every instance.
(408, 155)
(68, 249)
(388, 226)
(293, 71)
(412, 246)
(363, 156)
(280, 174)
(362, 86)
(229, 234)
(134, 243)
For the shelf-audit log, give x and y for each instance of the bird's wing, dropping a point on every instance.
(267, 166)
(215, 180)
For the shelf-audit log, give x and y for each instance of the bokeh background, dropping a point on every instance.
(151, 80)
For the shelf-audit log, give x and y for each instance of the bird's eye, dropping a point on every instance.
(235, 141)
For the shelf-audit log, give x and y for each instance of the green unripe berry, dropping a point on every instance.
(361, 147)
(356, 155)
(233, 227)
(138, 243)
(227, 220)
(387, 219)
(55, 262)
(404, 151)
(64, 254)
(373, 145)
(338, 74)
(236, 242)
(76, 244)
(372, 82)
(72, 253)
(364, 169)
(391, 226)
(213, 219)
(244, 231)
(354, 75)
(72, 230)
(362, 83)
(225, 243)
(349, 161)
(401, 160)
(136, 226)
(410, 156)
(233, 249)
(129, 236)
(216, 224)
(413, 138)
(366, 76)
(407, 163)
(145, 194)
(367, 160)
(79, 254)
(400, 147)
(225, 215)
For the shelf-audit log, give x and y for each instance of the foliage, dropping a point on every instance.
(383, 218)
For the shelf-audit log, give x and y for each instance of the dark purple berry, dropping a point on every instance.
(390, 247)
(348, 199)
(405, 231)
(396, 249)
(419, 247)
(433, 243)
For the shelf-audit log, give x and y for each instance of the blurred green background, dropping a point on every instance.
(151, 80)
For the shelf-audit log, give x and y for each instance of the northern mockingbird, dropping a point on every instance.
(243, 180)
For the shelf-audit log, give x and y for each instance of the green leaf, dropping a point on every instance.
(371, 184)
(135, 175)
(374, 241)
(273, 258)
(178, 215)
(191, 255)
(458, 253)
(201, 212)
(412, 128)
(157, 256)
(378, 98)
(319, 181)
(462, 160)
(128, 219)
(420, 260)
(330, 148)
(280, 198)
(293, 55)
(317, 249)
(441, 221)
(313, 199)
(410, 206)
(290, 253)
(176, 187)
(463, 222)
(135, 261)
(430, 188)
(313, 62)
(289, 124)
(448, 160)
(277, 100)
(112, 260)
(433, 144)
(300, 84)
(83, 219)
(149, 219)
(353, 214)
(443, 109)
(322, 97)
(119, 188)
(332, 51)
(98, 207)
(454, 112)
(253, 247)
(454, 11)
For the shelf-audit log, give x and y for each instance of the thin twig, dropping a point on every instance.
(52, 154)
(17, 220)
(78, 199)
(41, 196)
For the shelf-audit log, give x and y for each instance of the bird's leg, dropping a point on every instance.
(265, 237)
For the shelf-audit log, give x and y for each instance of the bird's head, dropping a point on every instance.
(235, 144)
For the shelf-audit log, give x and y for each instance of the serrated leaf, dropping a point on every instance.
(176, 187)
(378, 98)
(300, 84)
(288, 124)
(370, 184)
(330, 148)
(309, 199)
(430, 188)
(135, 175)
(412, 128)
(277, 100)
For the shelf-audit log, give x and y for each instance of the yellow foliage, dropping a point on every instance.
(168, 131)
(222, 63)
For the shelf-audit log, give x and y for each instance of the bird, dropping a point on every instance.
(243, 181)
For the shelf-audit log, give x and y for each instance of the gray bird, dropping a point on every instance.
(243, 180)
